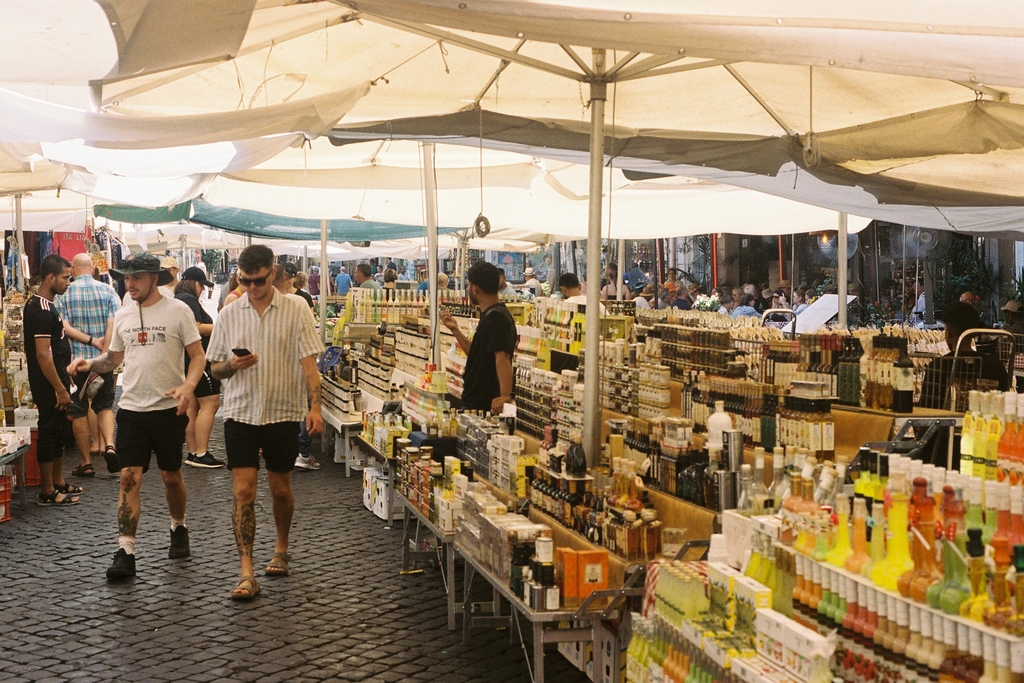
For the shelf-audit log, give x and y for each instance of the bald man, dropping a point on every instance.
(88, 309)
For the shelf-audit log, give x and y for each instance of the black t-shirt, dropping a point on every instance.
(200, 315)
(41, 320)
(305, 295)
(495, 332)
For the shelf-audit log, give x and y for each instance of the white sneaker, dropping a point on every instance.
(306, 462)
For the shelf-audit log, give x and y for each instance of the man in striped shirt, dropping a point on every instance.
(264, 349)
(88, 308)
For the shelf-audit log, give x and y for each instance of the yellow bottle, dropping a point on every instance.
(967, 433)
(842, 549)
(981, 427)
(995, 431)
(897, 561)
(975, 606)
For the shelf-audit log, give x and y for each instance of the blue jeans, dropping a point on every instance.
(305, 441)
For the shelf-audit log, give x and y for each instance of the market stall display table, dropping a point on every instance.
(445, 551)
(544, 624)
(346, 426)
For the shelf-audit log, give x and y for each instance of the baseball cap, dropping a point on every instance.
(291, 269)
(196, 274)
(168, 262)
(1012, 306)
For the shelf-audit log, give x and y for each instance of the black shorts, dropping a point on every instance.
(53, 427)
(279, 441)
(103, 400)
(140, 434)
(208, 384)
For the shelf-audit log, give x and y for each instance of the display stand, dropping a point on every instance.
(543, 624)
(346, 427)
(18, 455)
(444, 552)
(390, 471)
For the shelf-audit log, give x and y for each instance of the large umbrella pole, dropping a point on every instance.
(591, 384)
(430, 205)
(841, 273)
(19, 235)
(325, 276)
(621, 250)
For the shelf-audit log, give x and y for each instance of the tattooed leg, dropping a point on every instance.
(243, 515)
(128, 501)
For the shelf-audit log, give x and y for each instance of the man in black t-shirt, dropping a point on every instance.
(48, 352)
(488, 380)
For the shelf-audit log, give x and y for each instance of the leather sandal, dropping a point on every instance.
(69, 489)
(278, 565)
(85, 470)
(246, 589)
(52, 500)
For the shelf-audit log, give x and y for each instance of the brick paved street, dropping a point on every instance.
(345, 613)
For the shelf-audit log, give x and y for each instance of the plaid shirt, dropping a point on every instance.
(87, 305)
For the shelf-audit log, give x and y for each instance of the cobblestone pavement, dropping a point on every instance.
(344, 614)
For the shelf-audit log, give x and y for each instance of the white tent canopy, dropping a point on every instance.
(881, 96)
(526, 199)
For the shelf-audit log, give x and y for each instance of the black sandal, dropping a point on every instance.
(110, 455)
(69, 489)
(47, 500)
(85, 470)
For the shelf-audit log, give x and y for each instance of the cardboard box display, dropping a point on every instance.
(592, 572)
(566, 576)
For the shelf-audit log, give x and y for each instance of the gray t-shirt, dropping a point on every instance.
(153, 339)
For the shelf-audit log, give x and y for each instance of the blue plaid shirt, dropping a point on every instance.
(86, 306)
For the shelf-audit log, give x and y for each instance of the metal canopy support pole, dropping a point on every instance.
(621, 255)
(841, 274)
(430, 210)
(323, 275)
(591, 385)
(19, 235)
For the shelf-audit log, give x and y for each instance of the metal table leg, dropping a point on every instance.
(343, 442)
(467, 607)
(391, 494)
(449, 549)
(538, 652)
(21, 479)
(406, 564)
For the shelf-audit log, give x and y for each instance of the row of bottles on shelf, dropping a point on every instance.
(564, 325)
(992, 437)
(619, 516)
(915, 510)
(388, 305)
(658, 652)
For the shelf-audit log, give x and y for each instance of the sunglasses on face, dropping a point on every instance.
(258, 281)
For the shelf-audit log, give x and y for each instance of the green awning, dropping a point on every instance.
(258, 224)
(135, 214)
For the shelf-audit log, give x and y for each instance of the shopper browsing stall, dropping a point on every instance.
(364, 277)
(264, 350)
(488, 379)
(571, 289)
(151, 338)
(88, 308)
(48, 355)
(202, 411)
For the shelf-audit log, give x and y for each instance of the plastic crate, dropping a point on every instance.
(5, 498)
(32, 477)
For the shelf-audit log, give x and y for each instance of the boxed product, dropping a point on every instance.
(592, 571)
(566, 576)
(721, 582)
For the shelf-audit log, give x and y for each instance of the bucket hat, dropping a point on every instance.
(143, 262)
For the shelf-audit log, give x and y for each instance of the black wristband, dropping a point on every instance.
(90, 341)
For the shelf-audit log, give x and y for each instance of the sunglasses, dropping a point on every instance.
(258, 281)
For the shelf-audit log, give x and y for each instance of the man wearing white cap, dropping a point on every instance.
(532, 282)
(1014, 311)
(170, 264)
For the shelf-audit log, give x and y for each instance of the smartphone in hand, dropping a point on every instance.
(241, 352)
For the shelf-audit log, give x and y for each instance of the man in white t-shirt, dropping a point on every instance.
(151, 338)
(573, 291)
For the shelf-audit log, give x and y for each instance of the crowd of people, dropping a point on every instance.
(177, 365)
